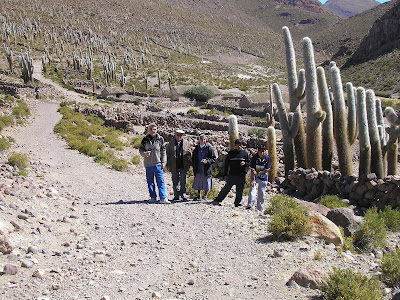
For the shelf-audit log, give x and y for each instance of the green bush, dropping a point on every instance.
(347, 241)
(21, 110)
(332, 201)
(199, 93)
(193, 193)
(346, 284)
(104, 157)
(112, 140)
(136, 141)
(279, 202)
(96, 120)
(119, 164)
(6, 121)
(372, 233)
(22, 173)
(204, 106)
(289, 223)
(136, 159)
(391, 218)
(91, 147)
(192, 111)
(390, 267)
(4, 144)
(258, 132)
(18, 159)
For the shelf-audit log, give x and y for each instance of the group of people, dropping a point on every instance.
(177, 158)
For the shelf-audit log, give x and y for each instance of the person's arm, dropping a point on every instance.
(246, 159)
(227, 163)
(253, 172)
(142, 148)
(212, 158)
(163, 153)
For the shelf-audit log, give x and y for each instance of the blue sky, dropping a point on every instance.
(381, 1)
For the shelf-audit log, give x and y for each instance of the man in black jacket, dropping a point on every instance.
(236, 164)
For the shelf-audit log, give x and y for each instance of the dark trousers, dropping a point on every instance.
(232, 180)
(179, 183)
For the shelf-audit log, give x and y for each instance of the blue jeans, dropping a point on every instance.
(158, 173)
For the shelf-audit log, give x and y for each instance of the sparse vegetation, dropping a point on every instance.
(192, 111)
(136, 141)
(120, 164)
(18, 159)
(258, 132)
(390, 266)
(332, 201)
(199, 93)
(136, 159)
(4, 144)
(347, 284)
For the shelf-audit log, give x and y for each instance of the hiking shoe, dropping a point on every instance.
(184, 199)
(249, 207)
(164, 201)
(196, 198)
(153, 200)
(175, 199)
(216, 203)
(238, 205)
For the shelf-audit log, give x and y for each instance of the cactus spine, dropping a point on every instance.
(363, 135)
(296, 87)
(233, 131)
(376, 150)
(289, 127)
(352, 129)
(327, 125)
(314, 114)
(340, 124)
(273, 158)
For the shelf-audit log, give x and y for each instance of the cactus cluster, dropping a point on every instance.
(26, 65)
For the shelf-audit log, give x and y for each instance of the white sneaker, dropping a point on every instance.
(164, 201)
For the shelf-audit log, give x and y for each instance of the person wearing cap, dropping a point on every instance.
(259, 166)
(236, 164)
(178, 163)
(152, 150)
(203, 158)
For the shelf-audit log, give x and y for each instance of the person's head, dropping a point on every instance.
(238, 144)
(202, 139)
(261, 150)
(152, 129)
(179, 134)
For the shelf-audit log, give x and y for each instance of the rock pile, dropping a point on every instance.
(365, 191)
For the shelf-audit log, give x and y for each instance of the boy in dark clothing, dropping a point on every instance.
(259, 167)
(236, 164)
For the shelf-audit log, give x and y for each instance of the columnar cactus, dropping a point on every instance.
(273, 158)
(382, 134)
(363, 135)
(314, 114)
(392, 143)
(296, 87)
(93, 85)
(122, 78)
(289, 127)
(233, 131)
(133, 90)
(327, 125)
(352, 129)
(270, 115)
(340, 123)
(376, 150)
(10, 58)
(26, 65)
(392, 117)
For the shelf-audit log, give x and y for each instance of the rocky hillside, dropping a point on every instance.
(346, 9)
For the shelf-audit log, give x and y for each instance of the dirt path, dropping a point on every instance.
(129, 249)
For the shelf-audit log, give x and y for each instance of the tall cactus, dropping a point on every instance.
(270, 113)
(340, 123)
(10, 58)
(392, 143)
(296, 87)
(289, 127)
(273, 158)
(327, 125)
(363, 135)
(376, 150)
(26, 65)
(352, 129)
(382, 134)
(233, 131)
(314, 113)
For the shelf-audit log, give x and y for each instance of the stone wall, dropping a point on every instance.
(365, 191)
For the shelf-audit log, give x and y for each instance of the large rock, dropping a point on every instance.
(309, 278)
(325, 229)
(345, 218)
(5, 244)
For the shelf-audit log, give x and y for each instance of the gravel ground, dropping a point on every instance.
(108, 242)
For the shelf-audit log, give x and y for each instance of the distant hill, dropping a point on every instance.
(348, 8)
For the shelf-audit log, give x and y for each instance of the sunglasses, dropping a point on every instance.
(179, 134)
(153, 129)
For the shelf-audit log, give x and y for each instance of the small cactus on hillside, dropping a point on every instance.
(10, 58)
(26, 65)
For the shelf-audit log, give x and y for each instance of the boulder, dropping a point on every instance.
(5, 244)
(325, 229)
(309, 278)
(345, 218)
